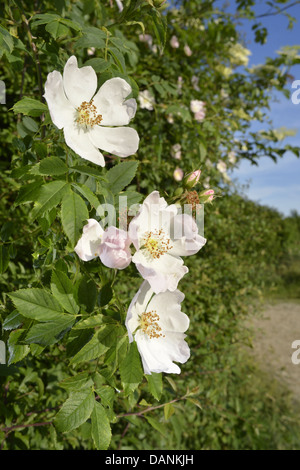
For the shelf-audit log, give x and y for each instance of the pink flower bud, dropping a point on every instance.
(114, 249)
(192, 179)
(210, 193)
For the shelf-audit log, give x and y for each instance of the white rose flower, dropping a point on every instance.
(146, 100)
(197, 106)
(232, 157)
(86, 117)
(157, 324)
(161, 236)
(221, 166)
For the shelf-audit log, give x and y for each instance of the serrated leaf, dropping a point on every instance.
(47, 333)
(13, 321)
(99, 65)
(30, 107)
(88, 194)
(73, 214)
(75, 411)
(92, 350)
(89, 322)
(29, 192)
(121, 175)
(168, 411)
(62, 289)
(49, 196)
(101, 432)
(16, 351)
(52, 166)
(37, 304)
(131, 369)
(77, 382)
(155, 385)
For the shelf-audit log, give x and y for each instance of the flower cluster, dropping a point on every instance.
(159, 234)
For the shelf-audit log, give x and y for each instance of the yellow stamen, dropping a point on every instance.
(156, 243)
(149, 325)
(87, 114)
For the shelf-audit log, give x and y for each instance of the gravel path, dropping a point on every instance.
(276, 330)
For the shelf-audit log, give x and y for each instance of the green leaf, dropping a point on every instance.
(168, 411)
(77, 382)
(36, 304)
(101, 432)
(92, 350)
(16, 351)
(13, 321)
(4, 258)
(105, 295)
(30, 107)
(62, 289)
(89, 322)
(155, 385)
(29, 192)
(73, 214)
(99, 65)
(49, 196)
(131, 370)
(92, 37)
(75, 411)
(48, 333)
(88, 194)
(52, 166)
(87, 293)
(156, 425)
(56, 29)
(121, 175)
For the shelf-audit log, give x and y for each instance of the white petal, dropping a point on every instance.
(78, 140)
(121, 141)
(167, 306)
(137, 306)
(88, 245)
(185, 238)
(61, 110)
(163, 273)
(110, 102)
(79, 83)
(158, 354)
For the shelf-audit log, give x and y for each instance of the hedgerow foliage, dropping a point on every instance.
(72, 379)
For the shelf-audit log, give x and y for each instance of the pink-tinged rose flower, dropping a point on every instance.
(88, 246)
(178, 174)
(114, 250)
(176, 151)
(147, 38)
(200, 116)
(174, 42)
(187, 50)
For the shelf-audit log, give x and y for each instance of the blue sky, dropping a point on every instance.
(274, 184)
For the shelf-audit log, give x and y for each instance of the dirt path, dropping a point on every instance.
(275, 333)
